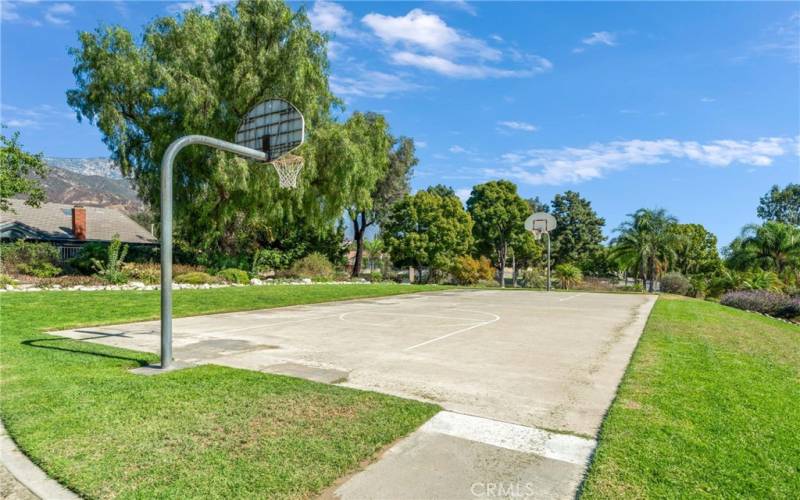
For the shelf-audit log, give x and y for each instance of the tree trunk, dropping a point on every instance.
(501, 254)
(514, 271)
(358, 236)
(652, 277)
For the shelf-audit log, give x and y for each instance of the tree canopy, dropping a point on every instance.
(427, 230)
(199, 74)
(18, 173)
(579, 233)
(499, 214)
(781, 205)
(695, 250)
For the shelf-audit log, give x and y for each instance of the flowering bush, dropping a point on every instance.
(774, 304)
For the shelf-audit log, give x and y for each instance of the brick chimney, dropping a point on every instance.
(79, 222)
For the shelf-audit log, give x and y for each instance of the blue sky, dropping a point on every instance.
(690, 107)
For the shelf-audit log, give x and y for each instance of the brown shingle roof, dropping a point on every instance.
(54, 221)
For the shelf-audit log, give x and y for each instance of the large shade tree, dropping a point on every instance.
(646, 243)
(383, 175)
(427, 230)
(781, 205)
(695, 250)
(579, 233)
(499, 214)
(199, 74)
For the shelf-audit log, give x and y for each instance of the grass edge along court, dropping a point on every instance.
(74, 409)
(708, 407)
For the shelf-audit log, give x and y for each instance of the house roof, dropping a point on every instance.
(53, 221)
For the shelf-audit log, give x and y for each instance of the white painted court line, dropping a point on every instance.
(563, 447)
(570, 297)
(484, 323)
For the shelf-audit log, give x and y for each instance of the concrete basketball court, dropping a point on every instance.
(525, 377)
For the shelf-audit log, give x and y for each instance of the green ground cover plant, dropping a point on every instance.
(206, 432)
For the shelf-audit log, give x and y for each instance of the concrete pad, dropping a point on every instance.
(150, 370)
(547, 360)
(524, 364)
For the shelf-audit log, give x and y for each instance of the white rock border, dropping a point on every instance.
(138, 285)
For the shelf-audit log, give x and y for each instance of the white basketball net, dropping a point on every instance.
(537, 233)
(288, 167)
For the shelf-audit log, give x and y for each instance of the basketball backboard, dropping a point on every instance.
(274, 126)
(540, 222)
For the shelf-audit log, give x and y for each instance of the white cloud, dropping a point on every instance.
(9, 12)
(447, 67)
(332, 18)
(34, 117)
(424, 40)
(782, 39)
(58, 13)
(206, 6)
(421, 144)
(463, 5)
(523, 126)
(574, 165)
(21, 123)
(601, 38)
(457, 149)
(707, 99)
(422, 30)
(368, 83)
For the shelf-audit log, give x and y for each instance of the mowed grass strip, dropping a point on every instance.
(211, 431)
(709, 407)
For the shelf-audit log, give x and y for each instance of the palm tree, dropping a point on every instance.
(773, 246)
(568, 275)
(646, 243)
(374, 248)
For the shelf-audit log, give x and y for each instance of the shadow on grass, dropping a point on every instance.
(37, 344)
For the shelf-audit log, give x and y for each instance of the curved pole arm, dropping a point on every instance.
(166, 225)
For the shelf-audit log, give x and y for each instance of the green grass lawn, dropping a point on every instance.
(210, 431)
(709, 407)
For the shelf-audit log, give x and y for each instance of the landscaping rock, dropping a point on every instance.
(256, 281)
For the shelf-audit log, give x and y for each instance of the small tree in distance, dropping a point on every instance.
(18, 172)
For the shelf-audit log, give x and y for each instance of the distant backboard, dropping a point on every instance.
(540, 222)
(274, 126)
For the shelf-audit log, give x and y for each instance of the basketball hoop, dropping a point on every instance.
(538, 224)
(288, 168)
(277, 128)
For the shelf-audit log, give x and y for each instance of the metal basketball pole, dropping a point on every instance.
(548, 261)
(166, 225)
